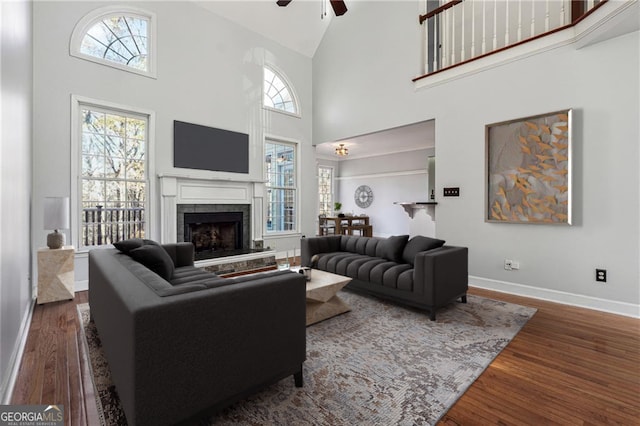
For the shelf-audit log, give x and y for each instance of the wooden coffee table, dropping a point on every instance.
(322, 296)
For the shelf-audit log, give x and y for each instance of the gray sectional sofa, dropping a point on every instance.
(181, 342)
(421, 272)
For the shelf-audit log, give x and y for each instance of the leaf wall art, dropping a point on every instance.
(528, 170)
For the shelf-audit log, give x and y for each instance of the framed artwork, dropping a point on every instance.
(528, 170)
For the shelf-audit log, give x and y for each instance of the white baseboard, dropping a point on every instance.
(81, 285)
(604, 305)
(16, 356)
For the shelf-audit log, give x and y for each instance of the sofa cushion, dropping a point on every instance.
(343, 264)
(155, 258)
(418, 244)
(364, 270)
(330, 261)
(191, 274)
(394, 246)
(376, 274)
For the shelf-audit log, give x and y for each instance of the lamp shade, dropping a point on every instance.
(56, 213)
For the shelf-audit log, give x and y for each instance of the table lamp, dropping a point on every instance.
(56, 216)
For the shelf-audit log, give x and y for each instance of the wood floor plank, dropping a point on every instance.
(76, 406)
(567, 366)
(575, 365)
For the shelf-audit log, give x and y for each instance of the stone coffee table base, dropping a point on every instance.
(322, 299)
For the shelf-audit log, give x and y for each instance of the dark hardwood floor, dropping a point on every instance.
(566, 366)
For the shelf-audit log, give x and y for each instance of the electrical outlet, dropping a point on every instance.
(601, 275)
(515, 265)
(508, 265)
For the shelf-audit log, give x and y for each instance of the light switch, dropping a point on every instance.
(451, 192)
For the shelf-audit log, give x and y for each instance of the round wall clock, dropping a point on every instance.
(363, 196)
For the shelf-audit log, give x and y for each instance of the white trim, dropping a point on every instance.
(605, 25)
(92, 18)
(294, 96)
(578, 300)
(76, 152)
(209, 175)
(513, 54)
(385, 175)
(333, 187)
(297, 149)
(16, 357)
(82, 285)
(362, 156)
(280, 111)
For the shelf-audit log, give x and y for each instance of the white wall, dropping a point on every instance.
(378, 53)
(392, 178)
(209, 71)
(15, 185)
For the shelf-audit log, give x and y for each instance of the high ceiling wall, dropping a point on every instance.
(378, 53)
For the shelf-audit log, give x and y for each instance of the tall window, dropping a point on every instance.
(325, 189)
(278, 94)
(118, 37)
(113, 175)
(282, 180)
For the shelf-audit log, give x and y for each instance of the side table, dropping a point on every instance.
(55, 274)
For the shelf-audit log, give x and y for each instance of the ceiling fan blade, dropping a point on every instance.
(339, 8)
(283, 2)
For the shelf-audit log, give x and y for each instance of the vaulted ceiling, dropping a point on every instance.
(299, 26)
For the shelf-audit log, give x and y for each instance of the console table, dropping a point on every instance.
(347, 223)
(55, 274)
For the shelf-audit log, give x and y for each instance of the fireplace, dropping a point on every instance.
(214, 232)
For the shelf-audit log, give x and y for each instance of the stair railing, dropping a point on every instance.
(458, 31)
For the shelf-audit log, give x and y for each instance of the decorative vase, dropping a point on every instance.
(55, 240)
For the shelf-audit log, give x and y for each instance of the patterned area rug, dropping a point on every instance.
(381, 363)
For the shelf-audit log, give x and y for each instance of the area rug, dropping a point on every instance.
(379, 364)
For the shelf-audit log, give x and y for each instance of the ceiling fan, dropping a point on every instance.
(339, 8)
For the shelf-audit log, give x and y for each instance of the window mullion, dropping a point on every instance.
(116, 218)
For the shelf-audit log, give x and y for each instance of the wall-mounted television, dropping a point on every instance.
(207, 148)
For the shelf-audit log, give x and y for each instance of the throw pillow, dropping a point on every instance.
(155, 258)
(418, 244)
(394, 247)
(125, 246)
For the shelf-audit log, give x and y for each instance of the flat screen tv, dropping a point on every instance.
(207, 148)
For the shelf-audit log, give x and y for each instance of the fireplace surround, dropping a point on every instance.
(199, 192)
(216, 230)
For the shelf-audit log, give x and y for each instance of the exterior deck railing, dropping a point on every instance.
(458, 31)
(102, 225)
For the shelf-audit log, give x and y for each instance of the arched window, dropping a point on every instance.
(278, 93)
(120, 37)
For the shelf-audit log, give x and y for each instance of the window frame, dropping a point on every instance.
(77, 104)
(332, 190)
(91, 18)
(296, 188)
(290, 88)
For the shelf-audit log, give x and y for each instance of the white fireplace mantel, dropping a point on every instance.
(185, 189)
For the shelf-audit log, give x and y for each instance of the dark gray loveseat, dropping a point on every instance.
(421, 272)
(195, 346)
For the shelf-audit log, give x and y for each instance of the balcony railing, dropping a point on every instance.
(458, 31)
(102, 225)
